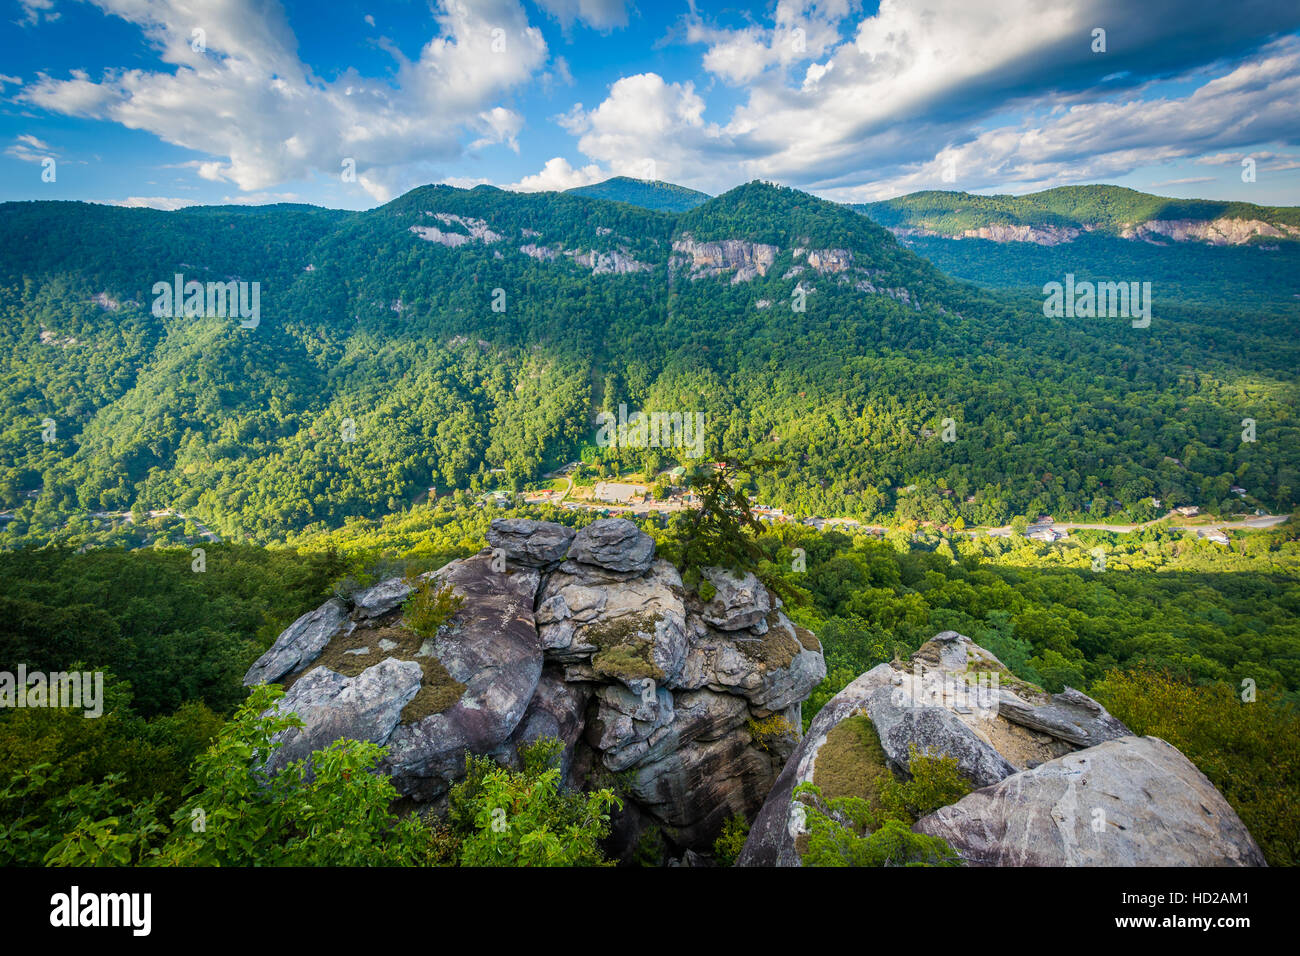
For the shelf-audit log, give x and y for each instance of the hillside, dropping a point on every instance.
(651, 194)
(1062, 214)
(465, 339)
(1192, 251)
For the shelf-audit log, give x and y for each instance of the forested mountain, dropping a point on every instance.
(451, 333)
(1191, 250)
(1112, 210)
(652, 194)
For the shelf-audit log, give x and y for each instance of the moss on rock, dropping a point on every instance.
(438, 689)
(625, 647)
(851, 761)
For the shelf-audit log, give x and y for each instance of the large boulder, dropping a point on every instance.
(629, 629)
(299, 644)
(739, 600)
(1131, 801)
(536, 544)
(491, 651)
(365, 707)
(1013, 743)
(613, 543)
(586, 638)
(1071, 716)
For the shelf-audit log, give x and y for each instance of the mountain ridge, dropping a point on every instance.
(1064, 213)
(466, 334)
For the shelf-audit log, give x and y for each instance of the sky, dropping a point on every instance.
(170, 103)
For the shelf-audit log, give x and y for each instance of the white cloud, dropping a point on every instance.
(915, 86)
(649, 129)
(1093, 142)
(29, 149)
(1186, 181)
(465, 182)
(248, 100)
(167, 203)
(34, 11)
(499, 125)
(559, 175)
(598, 14)
(800, 31)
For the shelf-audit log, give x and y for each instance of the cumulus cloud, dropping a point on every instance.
(238, 91)
(893, 101)
(650, 129)
(800, 30)
(166, 203)
(559, 175)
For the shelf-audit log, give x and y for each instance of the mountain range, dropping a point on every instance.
(463, 339)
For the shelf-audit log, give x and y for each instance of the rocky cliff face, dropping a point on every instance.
(586, 637)
(1217, 232)
(1061, 781)
(747, 259)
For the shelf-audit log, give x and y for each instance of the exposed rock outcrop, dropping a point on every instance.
(611, 262)
(476, 230)
(536, 544)
(1223, 231)
(1133, 801)
(1217, 232)
(748, 259)
(585, 637)
(1042, 763)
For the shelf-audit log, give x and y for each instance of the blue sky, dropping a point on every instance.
(154, 102)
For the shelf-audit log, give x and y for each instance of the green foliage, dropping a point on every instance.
(846, 832)
(174, 634)
(770, 731)
(933, 782)
(664, 197)
(429, 608)
(731, 840)
(858, 813)
(1111, 207)
(195, 421)
(331, 809)
(719, 532)
(1250, 751)
(651, 849)
(57, 766)
(507, 817)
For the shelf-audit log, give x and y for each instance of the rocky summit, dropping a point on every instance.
(586, 637)
(1058, 780)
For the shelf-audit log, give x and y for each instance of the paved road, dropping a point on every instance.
(1258, 521)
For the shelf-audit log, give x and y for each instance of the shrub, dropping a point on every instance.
(506, 817)
(429, 608)
(731, 840)
(935, 782)
(845, 832)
